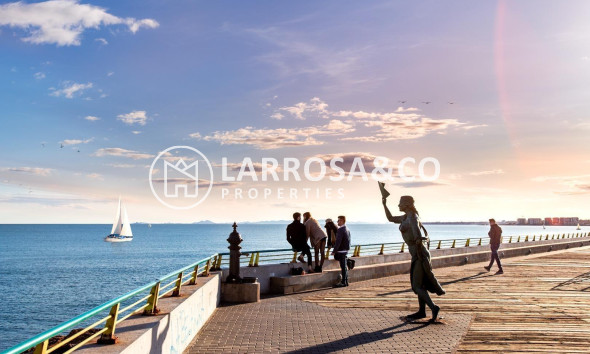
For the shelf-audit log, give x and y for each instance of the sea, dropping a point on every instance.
(52, 273)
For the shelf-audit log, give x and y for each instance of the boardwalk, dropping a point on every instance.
(540, 304)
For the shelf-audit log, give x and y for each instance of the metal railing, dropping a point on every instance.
(143, 300)
(146, 302)
(258, 257)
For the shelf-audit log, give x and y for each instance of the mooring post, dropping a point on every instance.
(234, 240)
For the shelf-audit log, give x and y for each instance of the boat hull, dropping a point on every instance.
(118, 238)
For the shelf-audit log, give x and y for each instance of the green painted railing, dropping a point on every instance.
(147, 305)
(255, 258)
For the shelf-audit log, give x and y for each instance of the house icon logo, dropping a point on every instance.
(181, 177)
(191, 174)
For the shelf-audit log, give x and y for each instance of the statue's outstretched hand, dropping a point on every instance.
(384, 201)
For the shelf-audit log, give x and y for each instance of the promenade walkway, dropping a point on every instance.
(540, 304)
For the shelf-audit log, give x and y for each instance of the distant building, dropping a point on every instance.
(521, 221)
(569, 221)
(535, 221)
(548, 221)
(555, 221)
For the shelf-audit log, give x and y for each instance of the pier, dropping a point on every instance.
(541, 303)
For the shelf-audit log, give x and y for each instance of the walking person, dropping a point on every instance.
(341, 247)
(421, 276)
(495, 235)
(297, 237)
(317, 239)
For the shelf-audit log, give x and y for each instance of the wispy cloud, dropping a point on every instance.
(70, 89)
(366, 159)
(280, 137)
(300, 110)
(39, 76)
(488, 172)
(92, 118)
(101, 41)
(571, 185)
(62, 22)
(30, 170)
(122, 153)
(75, 141)
(135, 117)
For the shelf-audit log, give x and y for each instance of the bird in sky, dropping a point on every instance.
(451, 102)
(402, 102)
(43, 144)
(62, 146)
(426, 102)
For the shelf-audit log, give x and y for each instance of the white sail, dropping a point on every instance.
(117, 223)
(126, 228)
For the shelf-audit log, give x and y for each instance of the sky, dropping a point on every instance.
(92, 92)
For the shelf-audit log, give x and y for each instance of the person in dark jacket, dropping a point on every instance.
(331, 230)
(495, 235)
(421, 276)
(341, 247)
(297, 237)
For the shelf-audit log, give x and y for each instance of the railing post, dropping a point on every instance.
(194, 276)
(479, 243)
(218, 265)
(358, 252)
(534, 236)
(439, 244)
(382, 249)
(177, 286)
(41, 348)
(467, 242)
(526, 239)
(547, 237)
(251, 263)
(510, 239)
(257, 259)
(328, 253)
(108, 337)
(207, 268)
(403, 246)
(518, 239)
(453, 246)
(294, 257)
(152, 301)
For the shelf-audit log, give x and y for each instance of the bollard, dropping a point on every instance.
(402, 250)
(382, 249)
(467, 242)
(177, 286)
(439, 243)
(453, 246)
(234, 240)
(152, 301)
(108, 337)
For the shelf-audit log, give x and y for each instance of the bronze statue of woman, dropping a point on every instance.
(421, 276)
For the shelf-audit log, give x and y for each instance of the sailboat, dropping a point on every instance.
(578, 228)
(121, 231)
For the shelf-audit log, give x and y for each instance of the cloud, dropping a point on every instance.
(75, 141)
(277, 116)
(280, 137)
(136, 132)
(122, 165)
(300, 110)
(62, 22)
(95, 176)
(39, 76)
(488, 172)
(579, 184)
(195, 135)
(70, 89)
(122, 153)
(92, 118)
(203, 182)
(367, 160)
(101, 41)
(135, 117)
(418, 184)
(39, 171)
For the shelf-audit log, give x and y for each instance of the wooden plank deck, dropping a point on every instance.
(540, 304)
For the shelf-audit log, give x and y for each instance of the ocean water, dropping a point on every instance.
(51, 273)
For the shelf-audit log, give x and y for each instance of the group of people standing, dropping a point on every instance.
(414, 234)
(336, 237)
